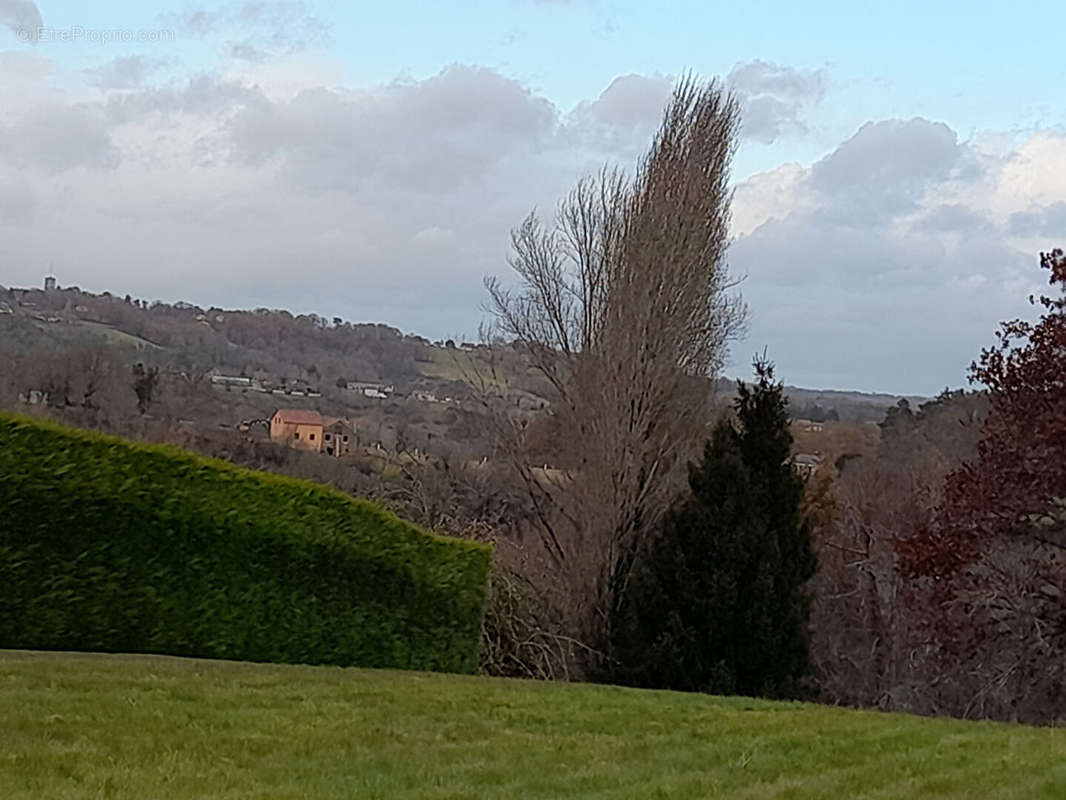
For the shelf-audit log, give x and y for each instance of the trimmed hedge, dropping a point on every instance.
(118, 546)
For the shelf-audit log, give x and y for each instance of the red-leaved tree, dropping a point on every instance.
(1020, 468)
(991, 568)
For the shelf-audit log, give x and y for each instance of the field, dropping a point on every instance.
(115, 336)
(98, 726)
(460, 365)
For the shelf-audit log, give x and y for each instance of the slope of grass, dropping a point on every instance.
(115, 336)
(88, 726)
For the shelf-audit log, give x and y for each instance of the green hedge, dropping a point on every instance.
(118, 546)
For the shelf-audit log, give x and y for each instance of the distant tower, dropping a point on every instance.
(50, 283)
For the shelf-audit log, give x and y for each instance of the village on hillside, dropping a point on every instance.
(421, 403)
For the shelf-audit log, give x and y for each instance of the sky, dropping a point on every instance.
(899, 168)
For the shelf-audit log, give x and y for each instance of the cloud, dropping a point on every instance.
(23, 68)
(21, 17)
(1040, 221)
(886, 264)
(892, 257)
(203, 95)
(630, 101)
(887, 167)
(953, 218)
(17, 198)
(774, 99)
(256, 31)
(123, 72)
(432, 135)
(57, 138)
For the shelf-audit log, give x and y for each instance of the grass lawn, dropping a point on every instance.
(97, 726)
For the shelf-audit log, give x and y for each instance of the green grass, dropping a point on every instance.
(96, 726)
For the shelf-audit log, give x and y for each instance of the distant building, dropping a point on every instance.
(50, 283)
(806, 463)
(338, 438)
(33, 397)
(298, 429)
(378, 391)
(309, 430)
(231, 380)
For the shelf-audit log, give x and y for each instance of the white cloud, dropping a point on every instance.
(21, 17)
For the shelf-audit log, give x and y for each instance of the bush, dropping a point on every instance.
(111, 545)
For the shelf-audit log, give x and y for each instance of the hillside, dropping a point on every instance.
(223, 372)
(85, 726)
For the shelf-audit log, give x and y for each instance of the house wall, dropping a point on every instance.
(333, 439)
(302, 437)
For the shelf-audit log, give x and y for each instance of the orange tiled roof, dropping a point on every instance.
(296, 416)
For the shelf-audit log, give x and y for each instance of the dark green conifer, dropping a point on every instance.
(719, 605)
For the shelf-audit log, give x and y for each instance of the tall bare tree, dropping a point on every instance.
(625, 305)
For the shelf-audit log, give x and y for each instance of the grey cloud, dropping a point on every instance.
(265, 30)
(867, 268)
(427, 135)
(893, 151)
(1043, 221)
(17, 199)
(203, 95)
(766, 118)
(23, 67)
(887, 310)
(247, 51)
(882, 171)
(124, 72)
(197, 22)
(763, 77)
(621, 120)
(21, 17)
(811, 249)
(953, 218)
(58, 138)
(630, 102)
(774, 98)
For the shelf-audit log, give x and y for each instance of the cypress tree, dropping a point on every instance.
(718, 603)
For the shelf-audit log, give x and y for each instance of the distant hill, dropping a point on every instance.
(220, 367)
(819, 405)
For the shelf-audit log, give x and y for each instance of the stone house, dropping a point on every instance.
(309, 430)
